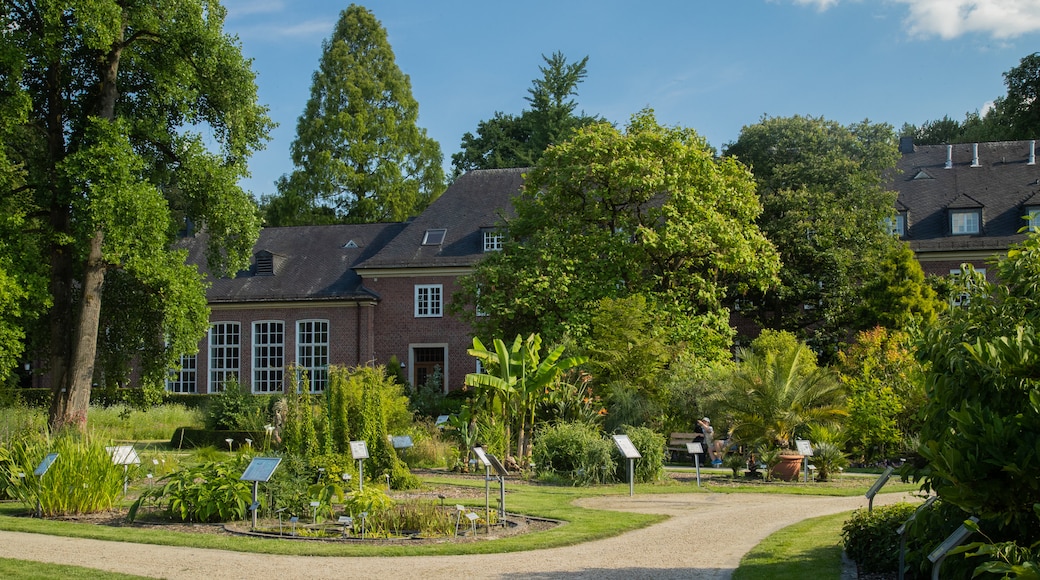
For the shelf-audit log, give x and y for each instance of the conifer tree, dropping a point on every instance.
(359, 155)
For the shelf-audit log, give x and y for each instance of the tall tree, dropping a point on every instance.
(823, 206)
(114, 163)
(611, 213)
(519, 140)
(359, 155)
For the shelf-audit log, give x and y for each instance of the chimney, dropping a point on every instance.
(949, 157)
(975, 155)
(1032, 152)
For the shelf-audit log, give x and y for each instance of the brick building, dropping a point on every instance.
(351, 294)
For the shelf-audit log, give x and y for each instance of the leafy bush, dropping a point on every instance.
(211, 492)
(81, 480)
(828, 458)
(235, 408)
(650, 467)
(870, 537)
(573, 451)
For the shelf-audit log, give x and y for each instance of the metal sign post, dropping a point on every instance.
(901, 532)
(359, 451)
(628, 451)
(881, 481)
(942, 550)
(39, 472)
(126, 456)
(502, 472)
(261, 469)
(483, 459)
(695, 449)
(805, 450)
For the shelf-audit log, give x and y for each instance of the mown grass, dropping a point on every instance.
(14, 569)
(808, 549)
(117, 423)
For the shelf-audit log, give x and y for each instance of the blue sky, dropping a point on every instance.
(712, 65)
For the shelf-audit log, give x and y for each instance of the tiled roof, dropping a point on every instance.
(309, 263)
(1001, 186)
(476, 201)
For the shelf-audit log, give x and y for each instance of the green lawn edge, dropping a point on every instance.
(15, 569)
(553, 502)
(808, 549)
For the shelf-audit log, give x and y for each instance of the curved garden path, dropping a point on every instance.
(705, 537)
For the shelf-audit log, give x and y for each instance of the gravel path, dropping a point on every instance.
(705, 537)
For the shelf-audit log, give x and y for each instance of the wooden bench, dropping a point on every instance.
(677, 444)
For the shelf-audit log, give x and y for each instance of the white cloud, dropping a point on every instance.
(949, 19)
(952, 18)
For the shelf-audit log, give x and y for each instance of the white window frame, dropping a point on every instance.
(493, 240)
(1033, 218)
(896, 225)
(963, 298)
(429, 300)
(184, 378)
(961, 222)
(312, 352)
(225, 353)
(268, 360)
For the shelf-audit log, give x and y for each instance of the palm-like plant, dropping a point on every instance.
(517, 379)
(772, 397)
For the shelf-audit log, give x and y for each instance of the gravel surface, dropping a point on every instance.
(705, 537)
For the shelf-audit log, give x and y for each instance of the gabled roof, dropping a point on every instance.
(998, 186)
(478, 200)
(310, 263)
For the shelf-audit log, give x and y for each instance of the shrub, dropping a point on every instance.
(211, 492)
(573, 451)
(235, 408)
(650, 467)
(828, 458)
(870, 537)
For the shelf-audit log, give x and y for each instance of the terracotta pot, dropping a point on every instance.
(788, 468)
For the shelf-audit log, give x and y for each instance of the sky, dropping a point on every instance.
(711, 65)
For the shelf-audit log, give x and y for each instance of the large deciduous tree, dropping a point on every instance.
(140, 118)
(519, 140)
(612, 213)
(824, 204)
(359, 155)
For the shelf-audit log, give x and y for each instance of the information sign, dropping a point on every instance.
(694, 448)
(260, 469)
(441, 420)
(804, 447)
(123, 455)
(481, 456)
(359, 449)
(45, 464)
(951, 542)
(625, 446)
(500, 469)
(401, 441)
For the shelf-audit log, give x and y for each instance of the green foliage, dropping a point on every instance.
(897, 296)
(82, 480)
(870, 538)
(575, 452)
(210, 492)
(613, 213)
(771, 398)
(885, 386)
(823, 199)
(650, 467)
(236, 409)
(517, 380)
(119, 124)
(827, 458)
(519, 140)
(359, 155)
(371, 500)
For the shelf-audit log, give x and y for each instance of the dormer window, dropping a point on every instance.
(434, 237)
(965, 222)
(493, 240)
(896, 225)
(264, 263)
(1033, 218)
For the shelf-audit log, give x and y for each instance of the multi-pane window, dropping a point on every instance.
(493, 240)
(225, 339)
(268, 355)
(962, 298)
(964, 222)
(312, 352)
(896, 225)
(428, 300)
(1033, 218)
(184, 378)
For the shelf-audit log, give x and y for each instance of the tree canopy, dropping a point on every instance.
(824, 203)
(519, 140)
(611, 213)
(359, 155)
(123, 124)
